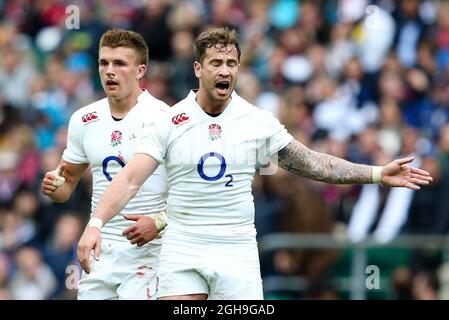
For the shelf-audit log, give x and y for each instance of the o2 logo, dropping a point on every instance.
(220, 174)
(106, 162)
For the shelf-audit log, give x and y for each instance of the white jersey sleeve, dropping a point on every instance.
(74, 153)
(154, 140)
(275, 135)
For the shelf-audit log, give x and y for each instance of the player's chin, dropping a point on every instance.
(113, 94)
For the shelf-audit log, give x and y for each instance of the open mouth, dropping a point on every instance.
(222, 87)
(110, 83)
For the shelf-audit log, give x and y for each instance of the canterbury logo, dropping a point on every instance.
(90, 116)
(180, 118)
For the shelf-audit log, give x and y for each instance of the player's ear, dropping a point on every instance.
(197, 68)
(141, 71)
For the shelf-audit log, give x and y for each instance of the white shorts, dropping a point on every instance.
(223, 271)
(123, 271)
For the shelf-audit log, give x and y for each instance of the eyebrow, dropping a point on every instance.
(221, 59)
(114, 61)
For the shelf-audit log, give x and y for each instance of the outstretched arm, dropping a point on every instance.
(123, 187)
(299, 159)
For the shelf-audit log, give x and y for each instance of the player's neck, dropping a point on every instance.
(120, 107)
(210, 106)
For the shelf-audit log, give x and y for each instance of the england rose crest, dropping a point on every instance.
(214, 132)
(116, 138)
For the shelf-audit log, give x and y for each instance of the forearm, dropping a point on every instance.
(124, 186)
(116, 196)
(305, 162)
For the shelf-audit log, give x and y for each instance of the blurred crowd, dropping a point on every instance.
(364, 80)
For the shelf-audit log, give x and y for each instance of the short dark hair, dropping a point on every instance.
(216, 36)
(115, 38)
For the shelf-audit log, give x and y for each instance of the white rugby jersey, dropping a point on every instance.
(210, 163)
(94, 137)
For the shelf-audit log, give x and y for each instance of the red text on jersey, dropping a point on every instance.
(180, 118)
(89, 117)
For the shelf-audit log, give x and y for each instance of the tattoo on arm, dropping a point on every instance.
(299, 159)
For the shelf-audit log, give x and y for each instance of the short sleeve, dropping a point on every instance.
(154, 139)
(277, 136)
(74, 151)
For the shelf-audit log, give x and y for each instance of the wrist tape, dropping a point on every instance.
(377, 174)
(160, 220)
(95, 223)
